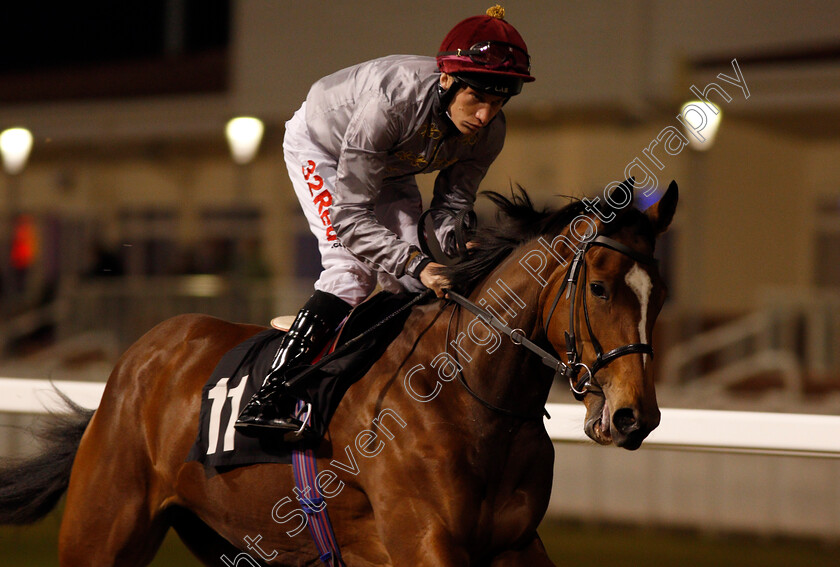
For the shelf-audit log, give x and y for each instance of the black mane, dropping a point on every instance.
(518, 222)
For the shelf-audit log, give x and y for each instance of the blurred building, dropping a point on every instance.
(130, 208)
(130, 172)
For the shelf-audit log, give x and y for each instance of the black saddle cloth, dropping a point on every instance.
(241, 372)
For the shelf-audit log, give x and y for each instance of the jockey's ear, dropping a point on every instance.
(661, 213)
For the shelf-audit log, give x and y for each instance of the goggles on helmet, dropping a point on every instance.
(498, 85)
(495, 56)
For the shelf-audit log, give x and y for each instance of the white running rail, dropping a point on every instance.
(31, 395)
(696, 430)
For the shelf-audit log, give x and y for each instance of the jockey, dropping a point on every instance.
(352, 151)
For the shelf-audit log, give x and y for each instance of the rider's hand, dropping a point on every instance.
(433, 280)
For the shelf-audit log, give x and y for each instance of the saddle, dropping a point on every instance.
(241, 371)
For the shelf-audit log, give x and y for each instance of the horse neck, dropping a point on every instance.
(503, 373)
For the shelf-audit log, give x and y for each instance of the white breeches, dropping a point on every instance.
(398, 207)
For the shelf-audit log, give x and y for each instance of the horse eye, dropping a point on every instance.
(598, 290)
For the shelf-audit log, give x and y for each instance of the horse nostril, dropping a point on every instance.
(625, 420)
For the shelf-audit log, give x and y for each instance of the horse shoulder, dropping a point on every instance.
(526, 475)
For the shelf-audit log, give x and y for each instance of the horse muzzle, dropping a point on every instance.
(625, 427)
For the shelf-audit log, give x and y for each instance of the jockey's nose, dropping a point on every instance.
(483, 114)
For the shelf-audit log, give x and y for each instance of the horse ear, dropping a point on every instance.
(661, 213)
(623, 193)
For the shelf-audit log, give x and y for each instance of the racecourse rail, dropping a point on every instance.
(681, 429)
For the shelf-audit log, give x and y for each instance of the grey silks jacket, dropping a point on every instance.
(383, 122)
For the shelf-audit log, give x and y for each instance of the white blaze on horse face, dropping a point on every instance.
(639, 281)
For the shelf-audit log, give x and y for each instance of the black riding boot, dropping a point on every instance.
(271, 409)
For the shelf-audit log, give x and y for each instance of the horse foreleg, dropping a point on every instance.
(207, 545)
(437, 549)
(433, 549)
(419, 540)
(532, 555)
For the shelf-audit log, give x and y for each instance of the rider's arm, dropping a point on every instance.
(375, 128)
(456, 186)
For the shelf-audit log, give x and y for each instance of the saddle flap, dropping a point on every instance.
(283, 322)
(242, 369)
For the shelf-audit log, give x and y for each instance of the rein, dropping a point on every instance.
(571, 370)
(465, 223)
(517, 336)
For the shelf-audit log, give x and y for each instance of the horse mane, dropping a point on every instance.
(517, 222)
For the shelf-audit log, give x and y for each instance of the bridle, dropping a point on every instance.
(580, 383)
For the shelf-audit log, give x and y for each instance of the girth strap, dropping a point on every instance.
(305, 469)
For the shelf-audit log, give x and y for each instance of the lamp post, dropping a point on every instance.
(244, 134)
(701, 121)
(15, 147)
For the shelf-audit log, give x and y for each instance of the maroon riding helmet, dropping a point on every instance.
(486, 53)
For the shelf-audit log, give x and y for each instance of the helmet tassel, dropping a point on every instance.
(496, 12)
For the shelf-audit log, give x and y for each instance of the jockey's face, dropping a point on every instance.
(470, 109)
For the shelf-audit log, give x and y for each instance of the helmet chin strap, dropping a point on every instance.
(445, 95)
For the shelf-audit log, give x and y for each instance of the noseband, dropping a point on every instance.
(581, 384)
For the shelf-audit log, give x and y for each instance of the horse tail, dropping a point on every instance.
(30, 487)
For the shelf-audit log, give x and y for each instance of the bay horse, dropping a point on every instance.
(419, 469)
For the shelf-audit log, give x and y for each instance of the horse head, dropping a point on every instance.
(598, 292)
(599, 309)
